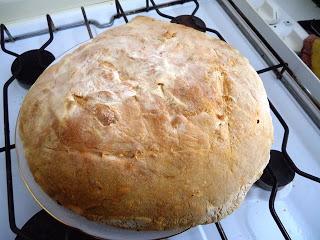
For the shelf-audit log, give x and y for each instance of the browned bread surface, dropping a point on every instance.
(149, 126)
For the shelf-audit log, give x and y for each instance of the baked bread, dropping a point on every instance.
(149, 126)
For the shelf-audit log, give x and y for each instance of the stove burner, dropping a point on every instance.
(43, 227)
(28, 66)
(281, 170)
(190, 21)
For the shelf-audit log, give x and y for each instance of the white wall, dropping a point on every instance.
(300, 9)
(13, 10)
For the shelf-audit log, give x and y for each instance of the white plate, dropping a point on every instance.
(70, 218)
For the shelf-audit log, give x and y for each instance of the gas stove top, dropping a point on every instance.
(282, 203)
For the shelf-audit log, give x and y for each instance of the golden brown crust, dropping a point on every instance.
(151, 125)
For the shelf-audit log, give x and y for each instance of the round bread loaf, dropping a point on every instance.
(149, 126)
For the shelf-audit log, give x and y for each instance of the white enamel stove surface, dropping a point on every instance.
(296, 204)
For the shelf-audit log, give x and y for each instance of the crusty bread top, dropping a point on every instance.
(151, 125)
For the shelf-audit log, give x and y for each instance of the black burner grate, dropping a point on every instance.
(28, 66)
(44, 227)
(271, 178)
(280, 168)
(190, 21)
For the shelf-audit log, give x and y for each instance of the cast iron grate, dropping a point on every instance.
(272, 178)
